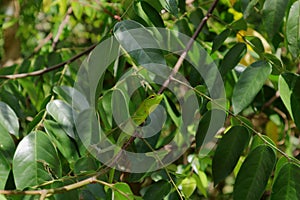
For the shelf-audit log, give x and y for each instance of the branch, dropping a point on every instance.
(188, 46)
(54, 67)
(48, 192)
(42, 43)
(61, 27)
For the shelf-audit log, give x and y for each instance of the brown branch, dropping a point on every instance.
(61, 27)
(188, 46)
(269, 103)
(42, 43)
(48, 192)
(54, 67)
(284, 117)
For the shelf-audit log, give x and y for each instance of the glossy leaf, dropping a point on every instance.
(8, 119)
(229, 151)
(62, 113)
(289, 84)
(219, 40)
(250, 12)
(61, 140)
(37, 158)
(257, 141)
(182, 26)
(293, 29)
(7, 149)
(125, 189)
(157, 190)
(153, 15)
(287, 185)
(202, 182)
(254, 173)
(257, 44)
(188, 186)
(72, 97)
(273, 13)
(171, 6)
(278, 67)
(280, 163)
(249, 84)
(209, 125)
(133, 37)
(37, 119)
(232, 58)
(85, 164)
(238, 25)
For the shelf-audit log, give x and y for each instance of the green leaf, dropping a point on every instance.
(134, 37)
(202, 182)
(77, 9)
(278, 67)
(105, 111)
(232, 58)
(254, 173)
(257, 44)
(257, 141)
(72, 97)
(8, 119)
(7, 149)
(36, 120)
(286, 185)
(209, 125)
(249, 84)
(61, 140)
(62, 113)
(125, 189)
(238, 25)
(289, 84)
(188, 186)
(182, 26)
(172, 114)
(280, 163)
(295, 103)
(85, 164)
(286, 83)
(250, 12)
(293, 29)
(273, 13)
(219, 40)
(196, 17)
(157, 190)
(152, 14)
(228, 152)
(35, 161)
(171, 6)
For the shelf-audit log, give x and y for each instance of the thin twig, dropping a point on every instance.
(188, 46)
(49, 192)
(61, 27)
(42, 43)
(284, 117)
(269, 103)
(54, 67)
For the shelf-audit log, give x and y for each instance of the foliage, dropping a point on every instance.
(255, 45)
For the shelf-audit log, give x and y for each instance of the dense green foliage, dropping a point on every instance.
(254, 43)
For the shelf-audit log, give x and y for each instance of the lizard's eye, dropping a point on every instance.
(151, 96)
